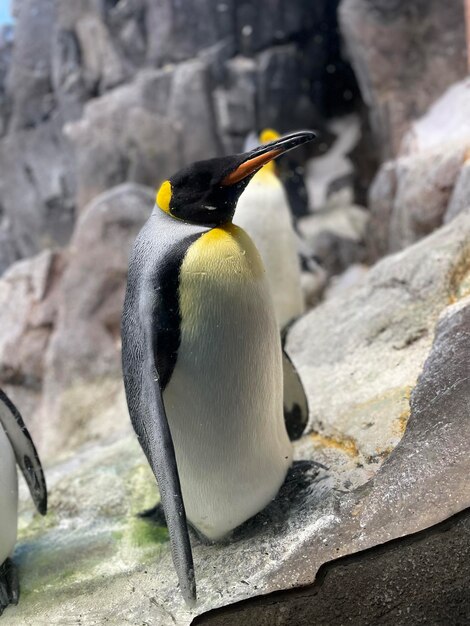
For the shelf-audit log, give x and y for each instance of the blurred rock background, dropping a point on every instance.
(100, 100)
(96, 94)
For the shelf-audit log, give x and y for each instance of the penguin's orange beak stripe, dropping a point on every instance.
(250, 166)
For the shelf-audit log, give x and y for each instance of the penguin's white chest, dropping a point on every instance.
(8, 497)
(224, 399)
(263, 211)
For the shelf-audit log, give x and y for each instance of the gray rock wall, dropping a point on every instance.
(405, 54)
(427, 184)
(95, 93)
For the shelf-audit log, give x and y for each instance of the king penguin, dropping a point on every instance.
(263, 211)
(202, 357)
(16, 446)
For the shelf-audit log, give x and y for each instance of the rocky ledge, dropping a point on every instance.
(386, 368)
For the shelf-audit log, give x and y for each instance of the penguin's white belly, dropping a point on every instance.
(8, 497)
(263, 211)
(224, 398)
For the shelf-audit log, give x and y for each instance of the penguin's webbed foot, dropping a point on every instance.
(155, 514)
(9, 585)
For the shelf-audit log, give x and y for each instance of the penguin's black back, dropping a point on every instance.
(153, 278)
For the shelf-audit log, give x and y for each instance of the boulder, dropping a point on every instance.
(82, 362)
(28, 305)
(313, 283)
(190, 109)
(29, 74)
(331, 173)
(235, 105)
(177, 36)
(426, 185)
(335, 236)
(284, 96)
(37, 189)
(405, 55)
(67, 76)
(127, 25)
(445, 123)
(266, 24)
(460, 198)
(353, 276)
(8, 250)
(381, 197)
(360, 353)
(88, 65)
(386, 369)
(102, 66)
(60, 316)
(6, 46)
(144, 131)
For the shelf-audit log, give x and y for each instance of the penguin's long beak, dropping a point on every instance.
(255, 159)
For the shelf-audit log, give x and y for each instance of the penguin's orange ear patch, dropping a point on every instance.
(164, 196)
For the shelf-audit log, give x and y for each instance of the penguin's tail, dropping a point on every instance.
(9, 586)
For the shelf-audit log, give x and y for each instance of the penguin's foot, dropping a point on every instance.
(9, 585)
(293, 494)
(155, 514)
(201, 538)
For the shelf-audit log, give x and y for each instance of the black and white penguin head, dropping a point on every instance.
(207, 192)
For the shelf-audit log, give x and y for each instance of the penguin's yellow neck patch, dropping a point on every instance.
(265, 136)
(224, 254)
(269, 167)
(163, 198)
(268, 134)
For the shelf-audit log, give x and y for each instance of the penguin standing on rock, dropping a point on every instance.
(263, 211)
(202, 357)
(16, 446)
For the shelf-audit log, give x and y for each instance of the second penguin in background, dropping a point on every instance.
(263, 211)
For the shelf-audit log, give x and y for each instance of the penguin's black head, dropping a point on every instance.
(207, 192)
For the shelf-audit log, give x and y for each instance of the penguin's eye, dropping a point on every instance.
(164, 196)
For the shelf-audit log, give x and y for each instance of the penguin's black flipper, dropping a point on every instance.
(295, 400)
(25, 451)
(148, 416)
(9, 586)
(155, 438)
